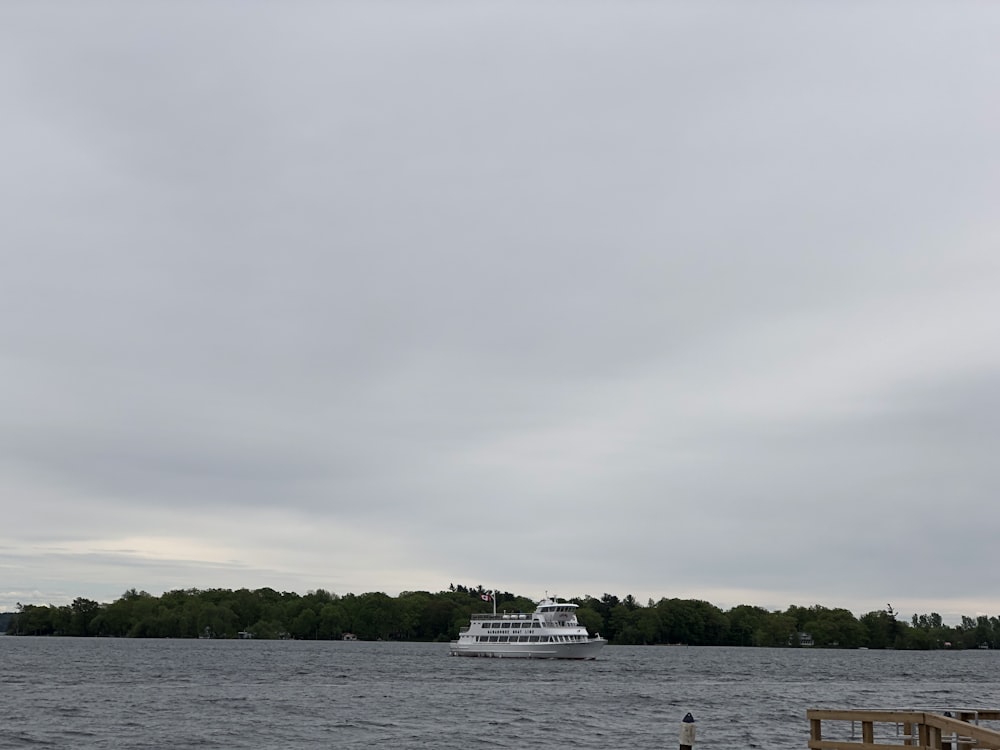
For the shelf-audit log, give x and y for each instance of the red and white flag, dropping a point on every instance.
(485, 597)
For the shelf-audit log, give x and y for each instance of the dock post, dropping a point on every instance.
(687, 732)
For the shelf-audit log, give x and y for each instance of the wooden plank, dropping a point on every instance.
(934, 737)
(934, 731)
(815, 729)
(884, 717)
(868, 732)
(852, 745)
(923, 735)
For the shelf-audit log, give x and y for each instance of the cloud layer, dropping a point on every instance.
(693, 300)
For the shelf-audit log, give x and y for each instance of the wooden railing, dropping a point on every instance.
(920, 730)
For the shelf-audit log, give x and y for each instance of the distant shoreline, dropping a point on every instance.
(421, 616)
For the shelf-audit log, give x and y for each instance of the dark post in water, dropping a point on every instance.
(687, 732)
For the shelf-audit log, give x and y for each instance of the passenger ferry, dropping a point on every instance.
(550, 632)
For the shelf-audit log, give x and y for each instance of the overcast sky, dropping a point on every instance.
(673, 299)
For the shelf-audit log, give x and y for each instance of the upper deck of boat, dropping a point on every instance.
(505, 616)
(546, 610)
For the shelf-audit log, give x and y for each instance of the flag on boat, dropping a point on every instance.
(485, 597)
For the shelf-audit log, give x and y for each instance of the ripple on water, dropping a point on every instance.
(84, 693)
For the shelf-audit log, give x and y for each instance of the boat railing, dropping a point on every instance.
(503, 616)
(927, 730)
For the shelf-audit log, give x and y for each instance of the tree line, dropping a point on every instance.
(425, 616)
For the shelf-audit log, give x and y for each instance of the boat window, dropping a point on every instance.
(494, 638)
(532, 639)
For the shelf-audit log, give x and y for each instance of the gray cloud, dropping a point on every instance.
(695, 300)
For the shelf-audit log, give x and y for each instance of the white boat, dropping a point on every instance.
(550, 632)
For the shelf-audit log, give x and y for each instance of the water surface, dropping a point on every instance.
(128, 693)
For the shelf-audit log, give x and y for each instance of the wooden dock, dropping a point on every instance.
(920, 730)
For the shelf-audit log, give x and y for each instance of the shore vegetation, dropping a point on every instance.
(425, 616)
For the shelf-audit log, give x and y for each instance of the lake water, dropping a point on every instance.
(104, 693)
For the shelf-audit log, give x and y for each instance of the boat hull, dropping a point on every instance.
(583, 651)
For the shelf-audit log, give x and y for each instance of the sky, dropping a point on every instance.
(689, 299)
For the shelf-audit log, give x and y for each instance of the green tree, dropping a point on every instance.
(82, 613)
(881, 628)
(590, 619)
(776, 631)
(692, 622)
(306, 625)
(744, 622)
